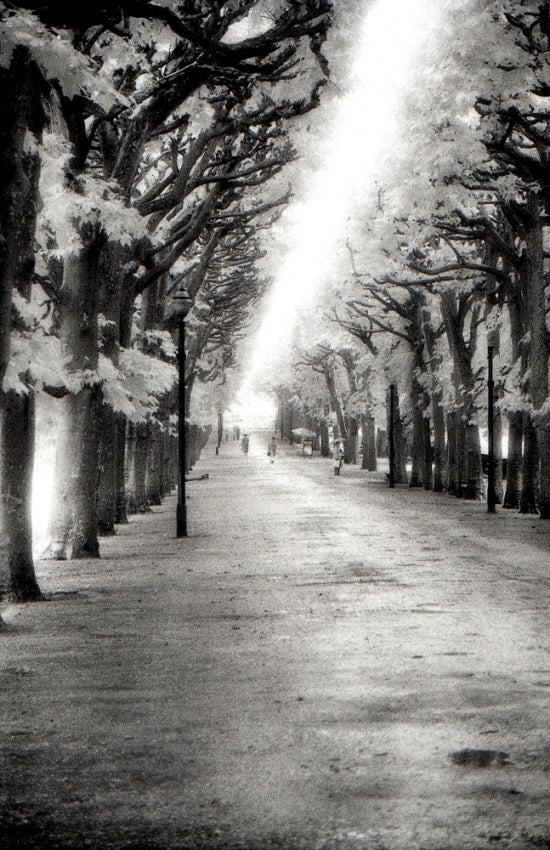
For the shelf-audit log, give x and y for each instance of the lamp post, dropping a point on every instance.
(181, 304)
(392, 435)
(491, 497)
(220, 428)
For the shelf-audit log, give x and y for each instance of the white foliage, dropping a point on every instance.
(134, 388)
(29, 312)
(34, 360)
(163, 342)
(58, 60)
(64, 209)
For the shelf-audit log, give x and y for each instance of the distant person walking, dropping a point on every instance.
(272, 448)
(244, 443)
(338, 455)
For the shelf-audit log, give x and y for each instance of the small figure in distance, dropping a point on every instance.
(244, 443)
(272, 448)
(338, 455)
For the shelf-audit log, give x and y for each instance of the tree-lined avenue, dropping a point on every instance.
(298, 672)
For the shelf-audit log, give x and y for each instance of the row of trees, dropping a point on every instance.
(451, 260)
(142, 151)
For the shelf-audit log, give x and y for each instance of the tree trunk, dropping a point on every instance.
(468, 446)
(130, 488)
(400, 445)
(515, 446)
(352, 425)
(137, 456)
(108, 457)
(538, 344)
(438, 419)
(369, 444)
(140, 501)
(515, 301)
(529, 468)
(453, 486)
(461, 452)
(154, 464)
(350, 450)
(17, 577)
(499, 485)
(74, 526)
(165, 482)
(438, 416)
(417, 472)
(169, 476)
(335, 402)
(399, 440)
(192, 442)
(121, 515)
(23, 120)
(74, 523)
(115, 294)
(325, 448)
(472, 488)
(428, 462)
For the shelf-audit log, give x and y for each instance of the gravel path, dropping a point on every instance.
(323, 663)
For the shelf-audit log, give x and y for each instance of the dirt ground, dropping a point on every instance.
(322, 663)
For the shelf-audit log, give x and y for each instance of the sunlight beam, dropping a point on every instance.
(361, 129)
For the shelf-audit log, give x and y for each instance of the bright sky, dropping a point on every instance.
(356, 134)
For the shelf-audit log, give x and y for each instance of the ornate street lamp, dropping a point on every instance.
(181, 304)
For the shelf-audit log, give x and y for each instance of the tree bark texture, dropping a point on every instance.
(452, 455)
(538, 344)
(440, 466)
(22, 115)
(399, 439)
(137, 492)
(129, 467)
(352, 425)
(369, 444)
(108, 468)
(417, 477)
(155, 463)
(335, 401)
(21, 127)
(352, 430)
(499, 482)
(192, 440)
(116, 287)
(428, 461)
(121, 515)
(74, 523)
(515, 453)
(17, 576)
(325, 447)
(468, 442)
(381, 443)
(436, 397)
(529, 468)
